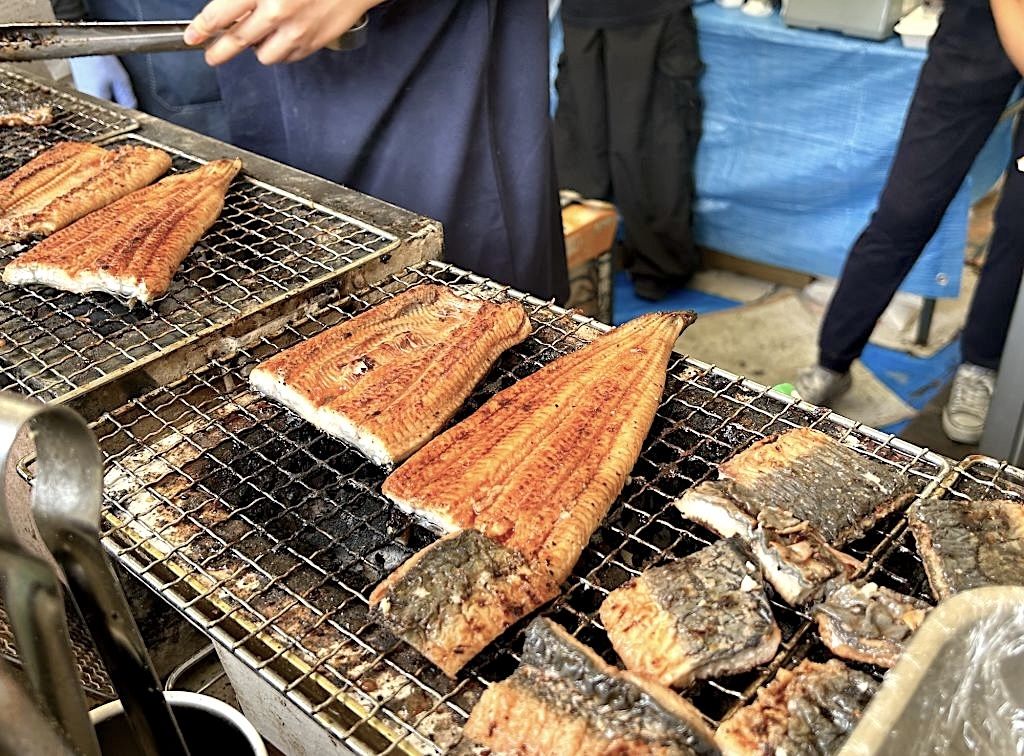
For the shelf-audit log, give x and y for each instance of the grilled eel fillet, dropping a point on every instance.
(810, 710)
(70, 180)
(703, 616)
(531, 473)
(132, 247)
(563, 699)
(969, 544)
(793, 497)
(868, 623)
(390, 378)
(14, 113)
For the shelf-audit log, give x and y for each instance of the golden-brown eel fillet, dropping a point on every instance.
(71, 180)
(532, 472)
(133, 247)
(563, 699)
(14, 114)
(389, 379)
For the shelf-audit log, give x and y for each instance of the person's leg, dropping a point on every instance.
(963, 89)
(580, 126)
(988, 321)
(654, 126)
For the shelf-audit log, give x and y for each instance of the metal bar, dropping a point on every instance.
(1004, 428)
(924, 321)
(269, 535)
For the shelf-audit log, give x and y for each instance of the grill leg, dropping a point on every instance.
(924, 322)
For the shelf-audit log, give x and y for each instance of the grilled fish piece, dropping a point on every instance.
(803, 471)
(70, 180)
(390, 378)
(457, 595)
(795, 558)
(133, 247)
(969, 544)
(13, 113)
(868, 623)
(537, 468)
(810, 710)
(563, 699)
(703, 616)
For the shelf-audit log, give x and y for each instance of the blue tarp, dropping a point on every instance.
(799, 131)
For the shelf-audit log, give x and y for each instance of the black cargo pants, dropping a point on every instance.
(626, 129)
(963, 89)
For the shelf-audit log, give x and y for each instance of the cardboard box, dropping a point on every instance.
(589, 231)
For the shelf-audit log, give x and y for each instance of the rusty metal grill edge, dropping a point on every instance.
(269, 536)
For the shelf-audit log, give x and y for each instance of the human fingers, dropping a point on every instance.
(216, 17)
(249, 32)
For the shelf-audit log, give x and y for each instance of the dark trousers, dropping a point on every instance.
(626, 129)
(963, 89)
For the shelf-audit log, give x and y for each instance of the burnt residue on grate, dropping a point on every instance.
(260, 527)
(266, 245)
(73, 119)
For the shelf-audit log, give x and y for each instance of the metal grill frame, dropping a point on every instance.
(975, 477)
(74, 119)
(714, 402)
(303, 243)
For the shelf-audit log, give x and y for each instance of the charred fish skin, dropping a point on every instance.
(602, 709)
(969, 544)
(809, 710)
(868, 623)
(456, 596)
(839, 491)
(703, 616)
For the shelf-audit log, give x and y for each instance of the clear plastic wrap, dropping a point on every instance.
(959, 686)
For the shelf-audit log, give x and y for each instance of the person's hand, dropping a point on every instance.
(103, 76)
(282, 31)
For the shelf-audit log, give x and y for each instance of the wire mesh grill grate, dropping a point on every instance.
(73, 119)
(267, 245)
(90, 668)
(271, 535)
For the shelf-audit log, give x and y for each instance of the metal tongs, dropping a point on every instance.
(47, 40)
(65, 513)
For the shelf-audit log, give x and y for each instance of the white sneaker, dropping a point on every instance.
(963, 417)
(819, 385)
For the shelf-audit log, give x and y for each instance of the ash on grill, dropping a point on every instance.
(73, 119)
(266, 245)
(271, 535)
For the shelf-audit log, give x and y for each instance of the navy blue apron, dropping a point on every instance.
(443, 112)
(178, 87)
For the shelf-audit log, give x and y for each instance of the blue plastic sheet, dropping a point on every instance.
(799, 130)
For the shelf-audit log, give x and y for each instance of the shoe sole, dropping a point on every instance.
(957, 433)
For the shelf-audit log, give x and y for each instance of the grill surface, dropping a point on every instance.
(267, 245)
(73, 118)
(270, 535)
(90, 668)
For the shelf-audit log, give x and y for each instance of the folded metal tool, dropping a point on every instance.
(48, 41)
